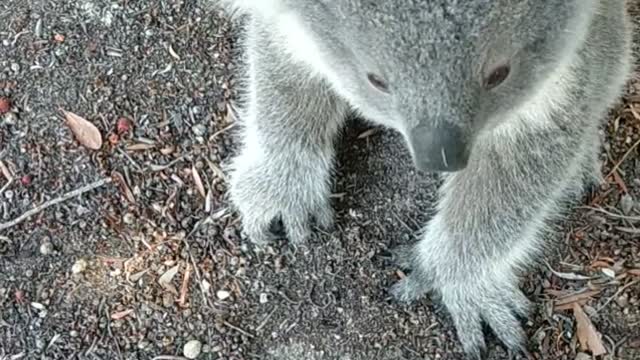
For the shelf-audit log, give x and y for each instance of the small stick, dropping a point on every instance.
(65, 197)
(185, 286)
(608, 213)
(237, 329)
(624, 157)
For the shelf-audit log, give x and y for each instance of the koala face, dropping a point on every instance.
(438, 71)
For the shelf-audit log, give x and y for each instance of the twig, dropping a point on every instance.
(217, 133)
(624, 157)
(266, 319)
(6, 186)
(65, 197)
(185, 286)
(238, 329)
(203, 292)
(608, 213)
(617, 294)
(169, 357)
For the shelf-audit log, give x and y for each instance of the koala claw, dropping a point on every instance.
(498, 306)
(403, 256)
(408, 289)
(296, 225)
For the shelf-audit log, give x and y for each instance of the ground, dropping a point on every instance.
(152, 259)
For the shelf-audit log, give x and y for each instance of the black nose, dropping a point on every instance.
(439, 148)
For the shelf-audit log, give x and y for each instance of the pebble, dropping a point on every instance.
(609, 273)
(46, 248)
(623, 300)
(15, 67)
(626, 204)
(223, 294)
(192, 349)
(10, 118)
(128, 218)
(199, 129)
(264, 298)
(583, 356)
(79, 266)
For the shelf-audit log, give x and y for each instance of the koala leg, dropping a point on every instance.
(487, 227)
(290, 122)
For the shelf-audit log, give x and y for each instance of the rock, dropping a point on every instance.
(264, 298)
(46, 247)
(626, 204)
(192, 349)
(223, 294)
(10, 118)
(79, 266)
(623, 300)
(583, 356)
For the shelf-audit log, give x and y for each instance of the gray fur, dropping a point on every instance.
(531, 142)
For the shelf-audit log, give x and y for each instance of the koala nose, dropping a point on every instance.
(442, 148)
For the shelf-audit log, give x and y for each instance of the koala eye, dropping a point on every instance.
(378, 82)
(497, 77)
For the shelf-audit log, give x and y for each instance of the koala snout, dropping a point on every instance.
(442, 148)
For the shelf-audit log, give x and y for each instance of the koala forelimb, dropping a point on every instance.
(504, 97)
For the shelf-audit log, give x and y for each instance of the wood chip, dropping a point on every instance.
(85, 132)
(588, 336)
(140, 147)
(121, 314)
(5, 171)
(198, 181)
(185, 287)
(368, 133)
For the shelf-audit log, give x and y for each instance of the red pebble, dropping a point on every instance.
(123, 125)
(25, 180)
(5, 105)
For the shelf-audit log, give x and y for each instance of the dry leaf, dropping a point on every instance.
(166, 278)
(588, 336)
(85, 132)
(198, 181)
(121, 314)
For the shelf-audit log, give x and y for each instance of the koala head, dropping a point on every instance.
(438, 71)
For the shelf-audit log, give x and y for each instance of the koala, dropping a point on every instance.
(502, 98)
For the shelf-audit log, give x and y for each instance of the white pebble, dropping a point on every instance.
(79, 266)
(46, 248)
(608, 272)
(223, 294)
(192, 349)
(264, 298)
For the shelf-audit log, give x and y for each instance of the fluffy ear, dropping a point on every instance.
(265, 8)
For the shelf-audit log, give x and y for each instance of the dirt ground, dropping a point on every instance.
(152, 262)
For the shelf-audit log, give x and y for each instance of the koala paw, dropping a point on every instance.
(409, 289)
(471, 300)
(263, 196)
